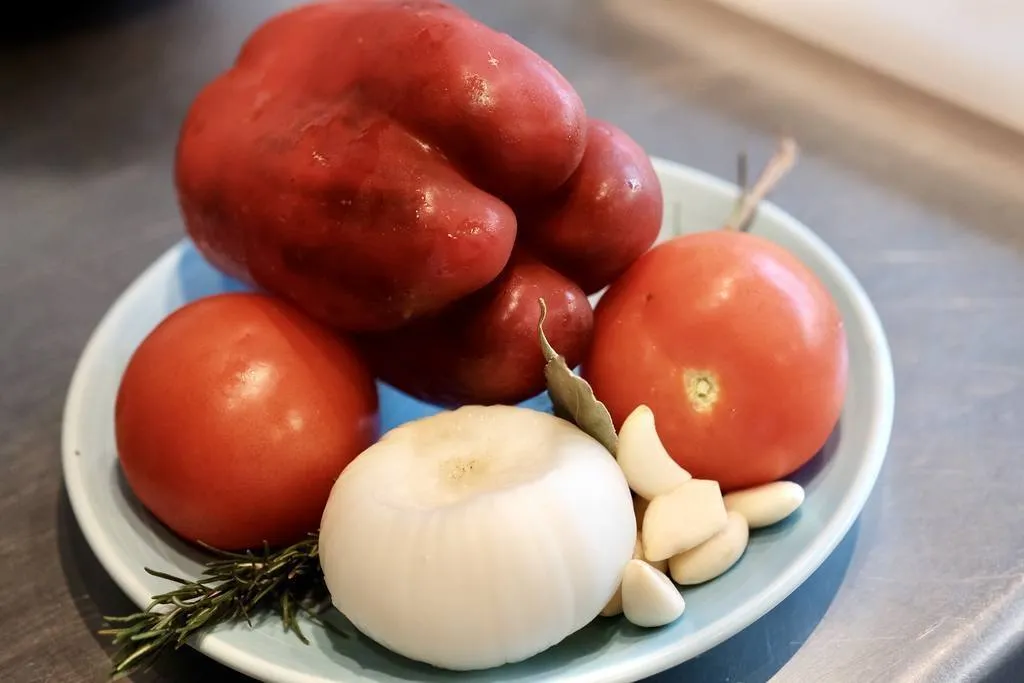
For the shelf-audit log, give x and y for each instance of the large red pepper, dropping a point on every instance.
(376, 161)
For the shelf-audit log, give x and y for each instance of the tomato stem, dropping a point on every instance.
(742, 173)
(778, 166)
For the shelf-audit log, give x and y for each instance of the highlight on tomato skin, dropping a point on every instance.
(235, 416)
(735, 345)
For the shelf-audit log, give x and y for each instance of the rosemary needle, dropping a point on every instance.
(234, 587)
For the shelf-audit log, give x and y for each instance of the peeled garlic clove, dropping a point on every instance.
(767, 504)
(614, 606)
(477, 537)
(648, 467)
(638, 554)
(649, 598)
(682, 519)
(713, 557)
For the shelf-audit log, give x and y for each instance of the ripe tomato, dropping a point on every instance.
(735, 345)
(235, 416)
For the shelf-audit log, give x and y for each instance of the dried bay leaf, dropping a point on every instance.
(571, 395)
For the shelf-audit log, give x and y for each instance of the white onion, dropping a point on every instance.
(477, 537)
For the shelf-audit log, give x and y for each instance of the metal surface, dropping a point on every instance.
(923, 202)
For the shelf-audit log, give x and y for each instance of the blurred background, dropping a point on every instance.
(963, 51)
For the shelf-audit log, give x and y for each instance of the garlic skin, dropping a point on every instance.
(477, 537)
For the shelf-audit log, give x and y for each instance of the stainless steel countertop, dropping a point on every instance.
(923, 202)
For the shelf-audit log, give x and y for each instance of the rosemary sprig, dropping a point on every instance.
(233, 587)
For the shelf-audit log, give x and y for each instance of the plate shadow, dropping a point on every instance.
(758, 652)
(95, 595)
(812, 468)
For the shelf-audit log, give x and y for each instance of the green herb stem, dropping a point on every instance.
(233, 587)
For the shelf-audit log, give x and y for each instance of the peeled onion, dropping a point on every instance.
(477, 537)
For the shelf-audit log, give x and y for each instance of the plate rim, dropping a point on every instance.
(879, 429)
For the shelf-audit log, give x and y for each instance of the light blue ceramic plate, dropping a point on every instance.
(126, 538)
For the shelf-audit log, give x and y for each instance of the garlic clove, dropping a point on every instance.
(638, 554)
(682, 519)
(649, 599)
(713, 557)
(614, 606)
(649, 469)
(767, 504)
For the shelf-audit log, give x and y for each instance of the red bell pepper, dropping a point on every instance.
(376, 161)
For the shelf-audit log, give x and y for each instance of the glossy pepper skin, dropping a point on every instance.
(604, 217)
(358, 157)
(377, 163)
(484, 349)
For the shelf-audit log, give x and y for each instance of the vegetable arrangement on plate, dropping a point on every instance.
(419, 199)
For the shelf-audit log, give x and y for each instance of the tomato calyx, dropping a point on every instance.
(702, 389)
